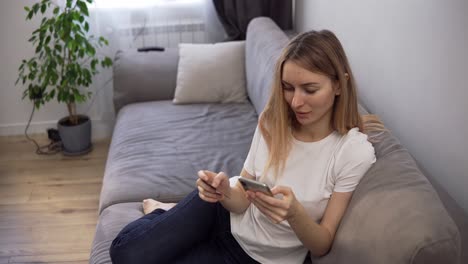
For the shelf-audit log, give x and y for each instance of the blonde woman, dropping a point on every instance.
(310, 146)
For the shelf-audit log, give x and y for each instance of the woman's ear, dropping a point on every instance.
(337, 87)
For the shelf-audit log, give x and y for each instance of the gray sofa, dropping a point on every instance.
(395, 215)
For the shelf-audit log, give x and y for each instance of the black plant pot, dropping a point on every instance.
(76, 139)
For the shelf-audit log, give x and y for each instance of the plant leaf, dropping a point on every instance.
(108, 62)
(90, 49)
(47, 40)
(83, 7)
(71, 45)
(43, 8)
(35, 8)
(93, 64)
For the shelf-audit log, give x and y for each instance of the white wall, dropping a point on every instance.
(410, 59)
(15, 31)
(14, 113)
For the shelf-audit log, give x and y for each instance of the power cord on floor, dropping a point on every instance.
(55, 145)
(52, 148)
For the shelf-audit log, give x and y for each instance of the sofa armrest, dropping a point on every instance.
(395, 215)
(144, 76)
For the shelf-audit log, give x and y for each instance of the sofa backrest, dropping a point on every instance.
(144, 76)
(264, 44)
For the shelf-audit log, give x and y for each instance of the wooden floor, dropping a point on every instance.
(48, 204)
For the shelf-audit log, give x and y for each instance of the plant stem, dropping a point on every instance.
(71, 105)
(73, 117)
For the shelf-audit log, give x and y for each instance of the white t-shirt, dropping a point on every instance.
(314, 170)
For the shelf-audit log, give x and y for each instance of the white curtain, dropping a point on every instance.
(132, 24)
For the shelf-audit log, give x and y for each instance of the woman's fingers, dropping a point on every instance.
(204, 175)
(266, 211)
(206, 186)
(262, 206)
(206, 198)
(269, 206)
(207, 190)
(209, 194)
(284, 190)
(218, 178)
(271, 201)
(208, 183)
(262, 203)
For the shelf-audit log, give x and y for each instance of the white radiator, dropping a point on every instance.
(166, 23)
(165, 35)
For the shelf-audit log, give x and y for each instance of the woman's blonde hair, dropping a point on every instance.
(320, 52)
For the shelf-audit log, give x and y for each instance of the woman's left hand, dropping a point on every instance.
(274, 208)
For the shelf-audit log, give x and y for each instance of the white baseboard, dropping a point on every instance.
(100, 128)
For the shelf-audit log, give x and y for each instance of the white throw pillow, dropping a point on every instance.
(211, 73)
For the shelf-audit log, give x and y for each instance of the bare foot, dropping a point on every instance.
(149, 205)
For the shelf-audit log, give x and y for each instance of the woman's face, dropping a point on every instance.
(310, 95)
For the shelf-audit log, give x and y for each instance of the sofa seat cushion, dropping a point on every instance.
(157, 148)
(111, 221)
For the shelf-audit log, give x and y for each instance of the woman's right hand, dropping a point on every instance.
(213, 187)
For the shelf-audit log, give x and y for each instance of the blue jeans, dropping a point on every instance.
(194, 231)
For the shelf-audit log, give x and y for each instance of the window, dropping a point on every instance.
(141, 3)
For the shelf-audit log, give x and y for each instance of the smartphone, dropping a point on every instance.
(255, 186)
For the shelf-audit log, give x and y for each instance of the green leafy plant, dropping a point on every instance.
(65, 57)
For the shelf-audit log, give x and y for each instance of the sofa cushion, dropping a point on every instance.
(264, 44)
(158, 147)
(211, 73)
(111, 221)
(395, 215)
(137, 78)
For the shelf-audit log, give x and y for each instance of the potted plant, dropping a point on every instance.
(63, 65)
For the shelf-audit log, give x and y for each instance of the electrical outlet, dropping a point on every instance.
(53, 134)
